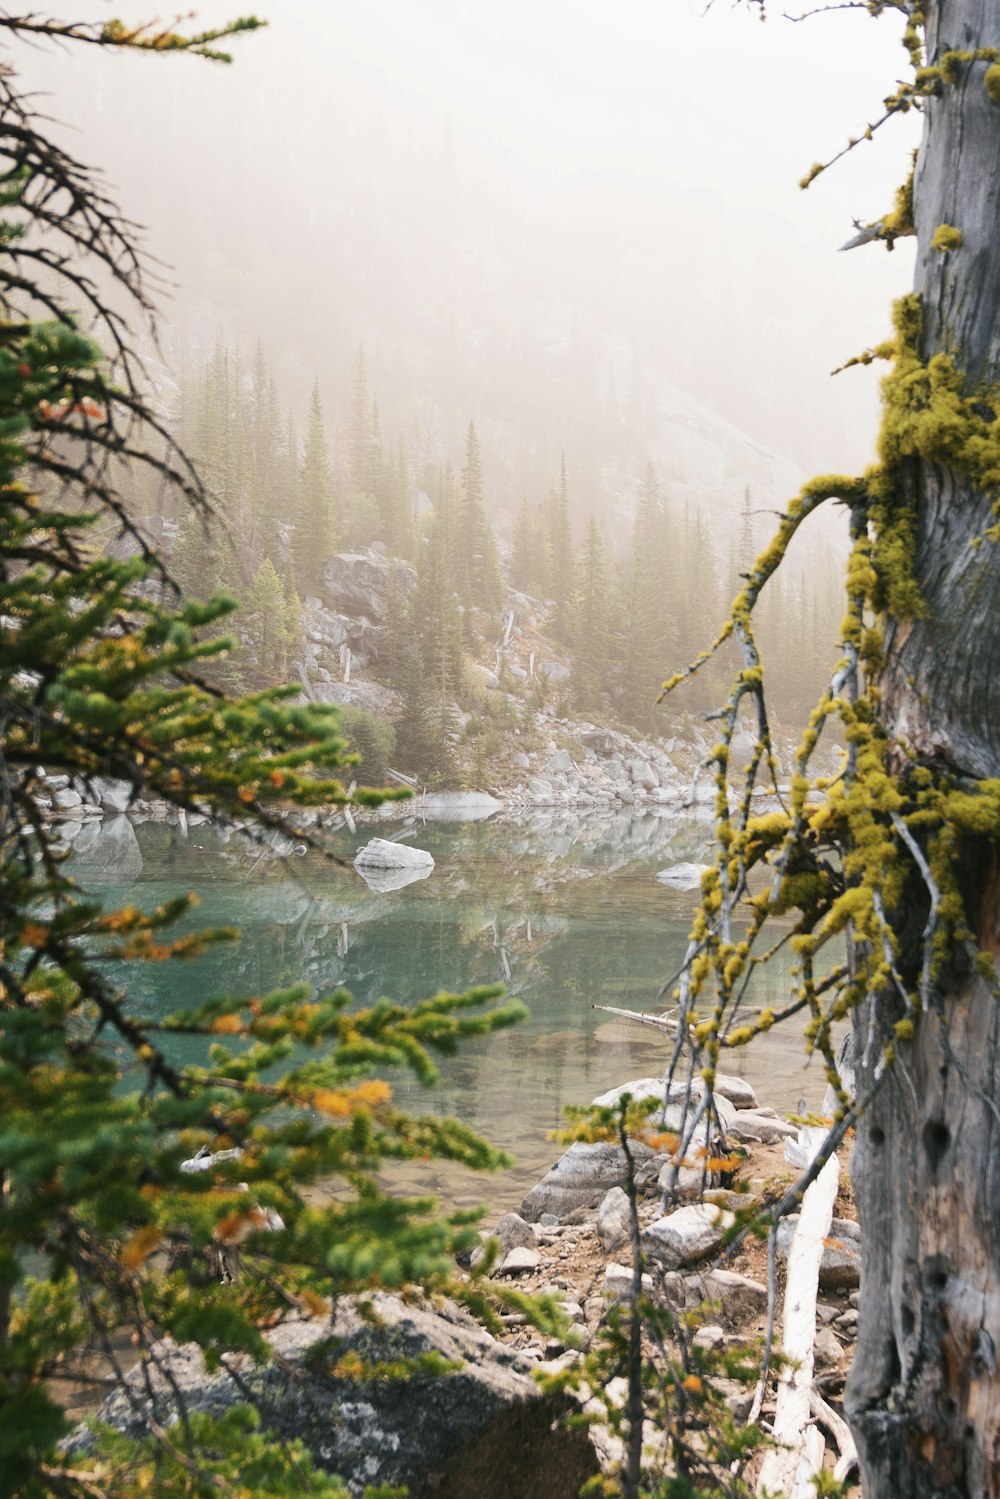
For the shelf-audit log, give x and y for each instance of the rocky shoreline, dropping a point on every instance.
(489, 1427)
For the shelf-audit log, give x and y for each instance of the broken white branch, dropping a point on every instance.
(839, 1430)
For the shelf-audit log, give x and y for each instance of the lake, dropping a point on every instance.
(564, 909)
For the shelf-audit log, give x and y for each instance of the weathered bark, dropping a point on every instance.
(924, 1394)
(942, 678)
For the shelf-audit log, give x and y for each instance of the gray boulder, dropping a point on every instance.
(643, 774)
(840, 1267)
(686, 1236)
(371, 696)
(602, 741)
(513, 1233)
(481, 676)
(482, 1429)
(520, 1261)
(741, 1299)
(642, 1088)
(553, 671)
(363, 583)
(581, 1179)
(749, 1125)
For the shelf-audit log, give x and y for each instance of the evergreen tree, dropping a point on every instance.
(266, 622)
(647, 632)
(592, 622)
(315, 533)
(560, 550)
(477, 568)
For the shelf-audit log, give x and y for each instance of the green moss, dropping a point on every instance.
(946, 237)
(991, 83)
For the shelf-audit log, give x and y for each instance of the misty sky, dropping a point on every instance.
(424, 174)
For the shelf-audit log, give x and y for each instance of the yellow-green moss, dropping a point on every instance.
(946, 237)
(991, 83)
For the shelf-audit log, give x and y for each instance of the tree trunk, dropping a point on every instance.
(924, 1394)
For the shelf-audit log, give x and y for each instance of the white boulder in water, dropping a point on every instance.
(382, 853)
(682, 876)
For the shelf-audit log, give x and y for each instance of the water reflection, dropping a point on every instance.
(565, 911)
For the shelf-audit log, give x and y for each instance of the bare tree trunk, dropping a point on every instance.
(924, 1394)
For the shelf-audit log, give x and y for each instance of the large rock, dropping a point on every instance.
(365, 583)
(371, 696)
(749, 1125)
(581, 1179)
(111, 794)
(840, 1267)
(483, 1429)
(643, 774)
(382, 853)
(603, 742)
(686, 1236)
(481, 677)
(742, 1300)
(642, 1088)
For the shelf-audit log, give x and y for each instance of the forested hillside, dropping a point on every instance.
(614, 613)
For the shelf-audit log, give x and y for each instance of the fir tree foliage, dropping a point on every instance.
(101, 675)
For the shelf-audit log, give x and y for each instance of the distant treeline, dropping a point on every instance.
(289, 494)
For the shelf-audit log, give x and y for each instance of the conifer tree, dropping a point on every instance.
(560, 551)
(477, 567)
(647, 633)
(315, 533)
(592, 622)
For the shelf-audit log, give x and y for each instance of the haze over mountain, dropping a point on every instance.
(608, 257)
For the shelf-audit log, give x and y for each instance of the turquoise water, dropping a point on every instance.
(566, 911)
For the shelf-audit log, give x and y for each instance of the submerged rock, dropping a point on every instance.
(483, 1429)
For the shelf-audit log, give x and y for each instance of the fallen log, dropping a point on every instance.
(641, 1017)
(790, 1467)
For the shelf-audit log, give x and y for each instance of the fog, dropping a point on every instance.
(561, 220)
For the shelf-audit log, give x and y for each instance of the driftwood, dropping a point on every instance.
(641, 1017)
(790, 1467)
